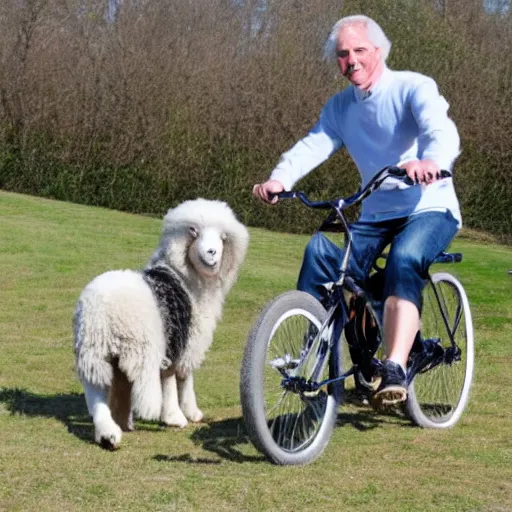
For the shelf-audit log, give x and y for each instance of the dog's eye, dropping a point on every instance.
(193, 231)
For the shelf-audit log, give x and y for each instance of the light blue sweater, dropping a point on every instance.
(404, 118)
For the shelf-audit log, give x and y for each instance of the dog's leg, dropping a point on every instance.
(187, 398)
(147, 392)
(120, 400)
(171, 412)
(107, 432)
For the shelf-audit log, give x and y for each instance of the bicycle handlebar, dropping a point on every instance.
(371, 186)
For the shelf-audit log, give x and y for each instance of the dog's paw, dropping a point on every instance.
(194, 415)
(108, 437)
(175, 419)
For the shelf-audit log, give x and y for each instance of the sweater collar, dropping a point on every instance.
(384, 79)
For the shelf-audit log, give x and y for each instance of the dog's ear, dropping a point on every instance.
(235, 248)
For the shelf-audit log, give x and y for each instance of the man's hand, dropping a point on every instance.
(267, 191)
(422, 171)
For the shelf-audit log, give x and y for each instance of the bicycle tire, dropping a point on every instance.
(438, 397)
(273, 427)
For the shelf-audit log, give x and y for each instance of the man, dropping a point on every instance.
(383, 118)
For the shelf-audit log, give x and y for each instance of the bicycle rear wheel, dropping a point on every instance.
(288, 425)
(438, 396)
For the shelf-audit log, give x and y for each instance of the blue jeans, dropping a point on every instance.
(415, 243)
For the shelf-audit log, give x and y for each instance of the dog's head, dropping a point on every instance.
(206, 249)
(203, 238)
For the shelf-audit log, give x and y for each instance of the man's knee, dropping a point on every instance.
(315, 249)
(316, 242)
(407, 259)
(320, 265)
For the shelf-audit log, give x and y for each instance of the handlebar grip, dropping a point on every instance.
(398, 172)
(283, 195)
(286, 195)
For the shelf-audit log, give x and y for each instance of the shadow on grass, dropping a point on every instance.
(186, 458)
(228, 438)
(70, 409)
(362, 417)
(225, 438)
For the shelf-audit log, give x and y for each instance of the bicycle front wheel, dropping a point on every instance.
(438, 396)
(285, 421)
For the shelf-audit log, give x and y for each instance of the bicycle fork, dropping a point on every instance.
(311, 367)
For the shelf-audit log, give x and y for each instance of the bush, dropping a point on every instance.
(182, 99)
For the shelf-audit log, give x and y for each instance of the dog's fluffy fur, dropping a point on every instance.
(140, 335)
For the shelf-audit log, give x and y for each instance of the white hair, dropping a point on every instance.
(140, 335)
(373, 30)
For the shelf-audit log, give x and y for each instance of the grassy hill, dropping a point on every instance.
(49, 250)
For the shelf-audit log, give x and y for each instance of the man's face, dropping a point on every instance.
(358, 59)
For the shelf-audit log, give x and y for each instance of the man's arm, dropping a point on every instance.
(316, 147)
(438, 139)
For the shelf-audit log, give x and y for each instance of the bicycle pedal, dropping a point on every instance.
(313, 393)
(371, 385)
(388, 398)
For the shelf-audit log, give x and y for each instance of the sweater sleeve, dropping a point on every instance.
(438, 139)
(316, 147)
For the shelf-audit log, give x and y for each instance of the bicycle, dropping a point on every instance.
(292, 379)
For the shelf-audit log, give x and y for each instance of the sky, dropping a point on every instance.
(497, 6)
(491, 6)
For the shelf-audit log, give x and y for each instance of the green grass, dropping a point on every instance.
(50, 250)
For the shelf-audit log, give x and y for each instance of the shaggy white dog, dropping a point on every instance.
(140, 335)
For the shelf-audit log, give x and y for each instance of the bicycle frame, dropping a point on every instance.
(338, 314)
(430, 355)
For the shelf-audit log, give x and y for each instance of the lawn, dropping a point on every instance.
(50, 250)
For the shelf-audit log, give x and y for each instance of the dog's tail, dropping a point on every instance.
(91, 353)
